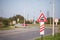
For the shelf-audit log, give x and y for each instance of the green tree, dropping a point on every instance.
(6, 22)
(49, 19)
(21, 18)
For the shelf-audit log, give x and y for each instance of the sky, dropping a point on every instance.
(29, 8)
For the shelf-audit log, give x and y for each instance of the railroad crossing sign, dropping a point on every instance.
(41, 20)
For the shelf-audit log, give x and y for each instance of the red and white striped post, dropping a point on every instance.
(41, 20)
(41, 28)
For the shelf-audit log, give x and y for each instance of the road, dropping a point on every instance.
(27, 34)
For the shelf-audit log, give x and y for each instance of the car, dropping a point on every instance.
(24, 24)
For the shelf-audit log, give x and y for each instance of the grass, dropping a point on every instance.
(38, 25)
(50, 37)
(33, 25)
(7, 28)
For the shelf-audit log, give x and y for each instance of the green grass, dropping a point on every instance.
(7, 28)
(50, 37)
(33, 25)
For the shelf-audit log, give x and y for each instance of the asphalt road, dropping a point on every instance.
(31, 34)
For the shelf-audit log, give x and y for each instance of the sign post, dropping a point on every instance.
(41, 20)
(41, 29)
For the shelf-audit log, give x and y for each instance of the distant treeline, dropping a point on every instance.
(4, 22)
(50, 20)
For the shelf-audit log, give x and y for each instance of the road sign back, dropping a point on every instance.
(42, 18)
(56, 20)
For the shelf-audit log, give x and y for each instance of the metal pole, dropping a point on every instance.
(50, 14)
(24, 18)
(56, 24)
(53, 19)
(27, 17)
(50, 21)
(41, 37)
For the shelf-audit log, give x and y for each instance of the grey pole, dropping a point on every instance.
(53, 19)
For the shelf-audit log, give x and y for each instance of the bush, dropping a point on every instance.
(1, 25)
(5, 22)
(28, 22)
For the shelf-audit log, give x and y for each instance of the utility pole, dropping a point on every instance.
(53, 19)
(50, 13)
(24, 18)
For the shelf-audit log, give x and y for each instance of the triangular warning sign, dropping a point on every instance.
(42, 18)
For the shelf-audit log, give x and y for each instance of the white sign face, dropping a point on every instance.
(14, 22)
(18, 19)
(56, 20)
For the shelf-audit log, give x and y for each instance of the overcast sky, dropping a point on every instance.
(31, 8)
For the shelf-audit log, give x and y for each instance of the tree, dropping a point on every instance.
(6, 22)
(59, 21)
(21, 18)
(49, 19)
